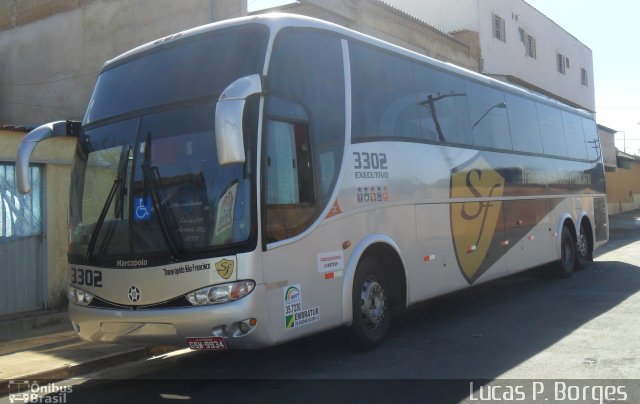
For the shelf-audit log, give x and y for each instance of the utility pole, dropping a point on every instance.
(624, 140)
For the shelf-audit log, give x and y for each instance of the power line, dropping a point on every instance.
(39, 83)
(26, 104)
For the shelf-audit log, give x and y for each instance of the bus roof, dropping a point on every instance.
(277, 21)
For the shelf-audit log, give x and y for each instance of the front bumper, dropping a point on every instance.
(172, 326)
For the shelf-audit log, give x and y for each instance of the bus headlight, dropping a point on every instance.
(79, 296)
(224, 293)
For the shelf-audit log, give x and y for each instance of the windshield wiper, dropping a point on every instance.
(117, 183)
(118, 186)
(165, 218)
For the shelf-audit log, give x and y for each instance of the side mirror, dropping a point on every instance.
(229, 118)
(29, 143)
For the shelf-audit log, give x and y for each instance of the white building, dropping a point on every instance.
(518, 44)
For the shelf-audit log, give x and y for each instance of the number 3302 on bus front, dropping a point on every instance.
(86, 277)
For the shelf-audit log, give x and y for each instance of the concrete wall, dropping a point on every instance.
(623, 188)
(507, 60)
(56, 156)
(50, 60)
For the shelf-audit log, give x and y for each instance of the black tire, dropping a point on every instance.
(371, 305)
(568, 255)
(584, 248)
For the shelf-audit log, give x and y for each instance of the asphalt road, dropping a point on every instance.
(509, 332)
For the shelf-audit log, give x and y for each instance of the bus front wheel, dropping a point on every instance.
(371, 305)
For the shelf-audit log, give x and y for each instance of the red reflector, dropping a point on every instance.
(328, 275)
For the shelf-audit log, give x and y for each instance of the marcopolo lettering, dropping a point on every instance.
(131, 263)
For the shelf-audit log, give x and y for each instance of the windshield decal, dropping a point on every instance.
(225, 268)
(226, 208)
(186, 268)
(143, 208)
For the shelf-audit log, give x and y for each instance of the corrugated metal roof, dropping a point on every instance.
(418, 20)
(628, 156)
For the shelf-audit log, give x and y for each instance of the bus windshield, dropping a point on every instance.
(146, 181)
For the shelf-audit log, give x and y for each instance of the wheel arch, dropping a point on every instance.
(383, 247)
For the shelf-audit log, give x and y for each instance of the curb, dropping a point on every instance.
(69, 371)
(35, 324)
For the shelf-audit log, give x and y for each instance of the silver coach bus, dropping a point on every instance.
(257, 180)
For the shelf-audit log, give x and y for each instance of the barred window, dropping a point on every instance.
(531, 46)
(20, 215)
(499, 31)
(561, 63)
(584, 78)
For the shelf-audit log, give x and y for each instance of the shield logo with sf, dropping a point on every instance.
(225, 268)
(473, 223)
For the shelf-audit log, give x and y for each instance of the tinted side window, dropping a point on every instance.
(523, 121)
(552, 131)
(488, 116)
(591, 138)
(384, 98)
(574, 134)
(443, 106)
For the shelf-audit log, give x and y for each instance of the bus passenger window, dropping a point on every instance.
(552, 131)
(574, 133)
(523, 121)
(591, 139)
(443, 106)
(385, 102)
(488, 116)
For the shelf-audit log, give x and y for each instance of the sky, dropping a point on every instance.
(606, 27)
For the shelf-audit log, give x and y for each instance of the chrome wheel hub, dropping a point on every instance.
(582, 245)
(372, 301)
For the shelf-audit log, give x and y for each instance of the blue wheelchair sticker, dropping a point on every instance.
(142, 208)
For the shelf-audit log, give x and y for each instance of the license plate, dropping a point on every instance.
(207, 343)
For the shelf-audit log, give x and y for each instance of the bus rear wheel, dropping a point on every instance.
(584, 248)
(568, 254)
(370, 305)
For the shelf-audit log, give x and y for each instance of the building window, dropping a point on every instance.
(531, 46)
(561, 62)
(583, 77)
(499, 28)
(566, 59)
